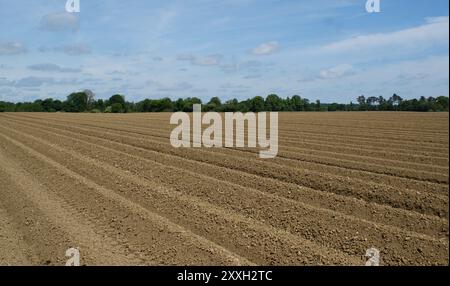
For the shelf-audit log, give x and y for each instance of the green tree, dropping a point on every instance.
(362, 103)
(297, 103)
(384, 104)
(231, 105)
(189, 102)
(47, 105)
(257, 104)
(442, 103)
(119, 99)
(166, 105)
(372, 102)
(99, 104)
(274, 103)
(77, 102)
(318, 105)
(213, 105)
(116, 108)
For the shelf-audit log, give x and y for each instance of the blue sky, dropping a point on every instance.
(332, 50)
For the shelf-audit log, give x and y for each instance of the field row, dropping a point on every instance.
(144, 202)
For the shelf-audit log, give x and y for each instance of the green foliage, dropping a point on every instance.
(274, 103)
(77, 102)
(231, 105)
(84, 102)
(257, 104)
(117, 102)
(117, 98)
(215, 104)
(297, 103)
(158, 105)
(117, 108)
(7, 107)
(99, 105)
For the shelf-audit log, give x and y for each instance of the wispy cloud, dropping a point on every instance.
(336, 72)
(162, 87)
(435, 30)
(210, 60)
(11, 48)
(72, 50)
(266, 48)
(59, 22)
(5, 82)
(47, 67)
(32, 81)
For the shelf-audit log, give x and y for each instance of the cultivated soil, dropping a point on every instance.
(112, 186)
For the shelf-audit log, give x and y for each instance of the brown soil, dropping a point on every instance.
(114, 187)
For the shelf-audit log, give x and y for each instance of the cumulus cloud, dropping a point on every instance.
(266, 48)
(336, 72)
(47, 67)
(59, 22)
(435, 30)
(11, 48)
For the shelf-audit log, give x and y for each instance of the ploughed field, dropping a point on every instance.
(114, 187)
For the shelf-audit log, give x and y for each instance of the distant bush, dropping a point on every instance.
(117, 108)
(84, 102)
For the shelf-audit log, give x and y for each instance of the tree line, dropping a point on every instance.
(85, 102)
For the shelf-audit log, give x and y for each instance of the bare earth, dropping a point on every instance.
(114, 187)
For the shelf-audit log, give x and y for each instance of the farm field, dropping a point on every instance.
(113, 186)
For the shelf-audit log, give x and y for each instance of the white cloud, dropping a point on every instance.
(435, 30)
(11, 48)
(336, 72)
(409, 78)
(266, 48)
(212, 60)
(442, 19)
